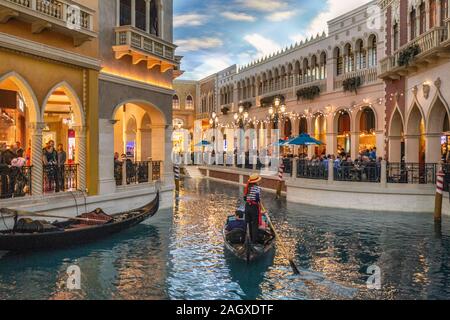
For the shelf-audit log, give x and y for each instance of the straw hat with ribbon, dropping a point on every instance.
(254, 178)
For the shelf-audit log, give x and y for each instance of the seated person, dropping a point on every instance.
(237, 223)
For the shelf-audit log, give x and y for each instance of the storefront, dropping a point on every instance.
(13, 131)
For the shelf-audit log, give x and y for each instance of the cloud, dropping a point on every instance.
(211, 63)
(195, 44)
(281, 15)
(237, 16)
(263, 5)
(263, 46)
(333, 9)
(189, 20)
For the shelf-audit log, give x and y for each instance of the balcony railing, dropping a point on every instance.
(428, 43)
(143, 46)
(358, 172)
(316, 170)
(136, 172)
(367, 76)
(412, 173)
(60, 178)
(14, 182)
(69, 16)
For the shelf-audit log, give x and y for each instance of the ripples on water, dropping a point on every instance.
(180, 255)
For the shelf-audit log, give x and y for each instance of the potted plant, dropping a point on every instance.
(352, 84)
(407, 55)
(308, 93)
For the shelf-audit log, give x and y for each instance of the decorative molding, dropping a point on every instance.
(133, 83)
(38, 49)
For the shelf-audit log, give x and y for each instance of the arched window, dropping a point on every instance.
(339, 61)
(323, 65)
(175, 102)
(360, 55)
(189, 103)
(423, 17)
(432, 13)
(154, 18)
(413, 24)
(373, 51)
(125, 12)
(349, 59)
(140, 15)
(396, 36)
(444, 12)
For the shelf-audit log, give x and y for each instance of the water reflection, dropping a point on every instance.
(181, 255)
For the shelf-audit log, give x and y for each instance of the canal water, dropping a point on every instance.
(180, 255)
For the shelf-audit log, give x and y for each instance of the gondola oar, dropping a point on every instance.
(32, 214)
(280, 243)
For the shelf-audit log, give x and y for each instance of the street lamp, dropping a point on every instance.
(277, 110)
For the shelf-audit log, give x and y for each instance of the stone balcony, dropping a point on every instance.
(142, 46)
(432, 45)
(64, 16)
(367, 76)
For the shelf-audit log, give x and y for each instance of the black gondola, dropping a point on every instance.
(74, 232)
(247, 251)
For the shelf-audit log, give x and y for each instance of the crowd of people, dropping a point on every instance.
(14, 162)
(13, 180)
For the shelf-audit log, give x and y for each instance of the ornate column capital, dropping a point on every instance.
(36, 126)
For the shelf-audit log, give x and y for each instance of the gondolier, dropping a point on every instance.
(252, 198)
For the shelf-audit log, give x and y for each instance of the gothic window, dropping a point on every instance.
(423, 18)
(189, 103)
(175, 102)
(413, 24)
(154, 18)
(396, 36)
(373, 51)
(125, 12)
(432, 13)
(140, 15)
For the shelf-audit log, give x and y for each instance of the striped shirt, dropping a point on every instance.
(254, 194)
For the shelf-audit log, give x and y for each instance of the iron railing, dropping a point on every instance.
(358, 172)
(14, 181)
(136, 172)
(317, 170)
(412, 173)
(60, 178)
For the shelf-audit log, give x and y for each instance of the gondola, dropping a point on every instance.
(245, 250)
(85, 228)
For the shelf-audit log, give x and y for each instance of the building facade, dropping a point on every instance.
(95, 77)
(328, 84)
(417, 81)
(184, 104)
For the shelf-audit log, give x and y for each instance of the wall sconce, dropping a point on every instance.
(426, 90)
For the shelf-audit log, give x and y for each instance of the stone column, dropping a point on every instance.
(395, 144)
(167, 166)
(433, 148)
(133, 13)
(117, 13)
(412, 146)
(383, 178)
(107, 182)
(380, 143)
(81, 156)
(330, 170)
(37, 172)
(354, 145)
(147, 16)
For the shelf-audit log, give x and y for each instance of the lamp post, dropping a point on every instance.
(241, 116)
(277, 110)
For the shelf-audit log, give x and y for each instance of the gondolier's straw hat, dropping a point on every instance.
(254, 178)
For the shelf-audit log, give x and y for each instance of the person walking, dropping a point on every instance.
(252, 198)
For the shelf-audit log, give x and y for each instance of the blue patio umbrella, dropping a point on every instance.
(304, 140)
(203, 143)
(280, 143)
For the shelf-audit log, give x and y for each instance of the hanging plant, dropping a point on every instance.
(246, 105)
(352, 84)
(308, 93)
(268, 101)
(225, 110)
(407, 55)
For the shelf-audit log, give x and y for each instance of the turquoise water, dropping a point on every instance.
(180, 255)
